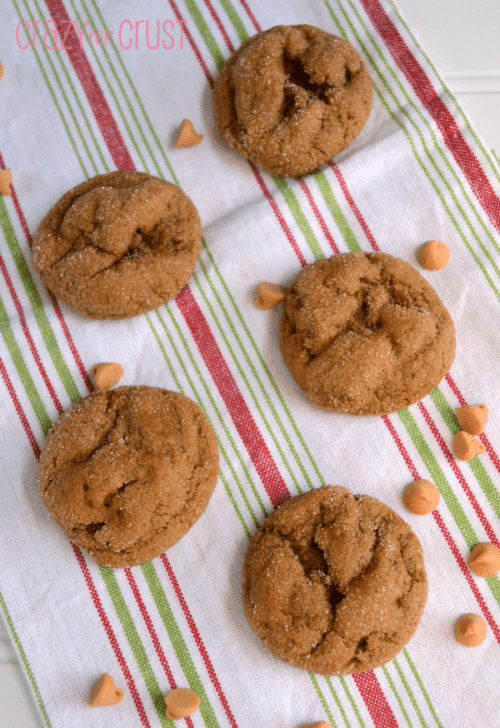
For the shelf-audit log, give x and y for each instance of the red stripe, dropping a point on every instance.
(17, 406)
(252, 17)
(319, 217)
(81, 561)
(375, 700)
(152, 632)
(459, 476)
(111, 636)
(429, 98)
(461, 400)
(57, 310)
(240, 414)
(83, 69)
(219, 24)
(199, 642)
(28, 336)
(447, 536)
(353, 206)
(191, 41)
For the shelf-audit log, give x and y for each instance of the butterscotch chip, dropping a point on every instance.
(470, 630)
(1, 69)
(421, 497)
(118, 245)
(465, 446)
(334, 583)
(484, 559)
(318, 724)
(269, 294)
(181, 702)
(433, 255)
(472, 419)
(364, 333)
(104, 692)
(107, 375)
(187, 136)
(5, 182)
(127, 472)
(291, 98)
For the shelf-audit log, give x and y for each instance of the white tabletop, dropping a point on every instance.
(463, 45)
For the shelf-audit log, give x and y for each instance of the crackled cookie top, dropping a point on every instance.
(118, 245)
(127, 472)
(364, 333)
(334, 583)
(291, 98)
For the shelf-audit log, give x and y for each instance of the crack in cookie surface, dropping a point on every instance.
(118, 245)
(333, 583)
(364, 333)
(127, 472)
(291, 98)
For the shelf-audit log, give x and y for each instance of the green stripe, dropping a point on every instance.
(319, 692)
(337, 701)
(481, 474)
(400, 702)
(355, 708)
(299, 216)
(471, 130)
(227, 432)
(235, 20)
(336, 212)
(75, 95)
(422, 688)
(450, 168)
(22, 371)
(24, 660)
(410, 692)
(206, 34)
(178, 643)
(51, 90)
(123, 614)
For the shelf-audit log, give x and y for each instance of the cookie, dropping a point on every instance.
(291, 98)
(127, 472)
(365, 334)
(334, 583)
(118, 245)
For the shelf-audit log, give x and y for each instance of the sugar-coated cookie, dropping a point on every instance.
(118, 245)
(334, 583)
(365, 334)
(126, 472)
(291, 98)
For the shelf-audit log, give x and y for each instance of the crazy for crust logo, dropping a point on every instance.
(68, 35)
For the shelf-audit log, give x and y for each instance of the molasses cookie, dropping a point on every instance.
(334, 583)
(291, 98)
(118, 245)
(127, 472)
(364, 333)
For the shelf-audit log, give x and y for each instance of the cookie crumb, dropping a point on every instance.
(421, 497)
(1, 69)
(470, 630)
(107, 374)
(484, 559)
(465, 446)
(5, 182)
(433, 255)
(187, 136)
(318, 724)
(104, 692)
(472, 419)
(269, 294)
(181, 702)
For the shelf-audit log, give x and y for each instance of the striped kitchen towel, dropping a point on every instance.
(95, 85)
